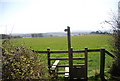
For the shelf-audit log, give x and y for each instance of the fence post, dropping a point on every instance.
(69, 51)
(48, 50)
(102, 64)
(68, 37)
(86, 61)
(71, 63)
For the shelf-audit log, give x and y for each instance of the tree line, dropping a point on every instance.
(5, 36)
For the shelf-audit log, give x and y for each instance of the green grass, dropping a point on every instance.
(78, 43)
(60, 43)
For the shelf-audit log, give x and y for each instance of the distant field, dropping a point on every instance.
(78, 43)
(60, 43)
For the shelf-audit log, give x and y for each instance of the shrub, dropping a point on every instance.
(21, 63)
(115, 23)
(115, 69)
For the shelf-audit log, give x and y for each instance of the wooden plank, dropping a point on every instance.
(75, 58)
(75, 51)
(90, 50)
(66, 72)
(54, 69)
(77, 65)
(55, 65)
(59, 51)
(41, 52)
(93, 50)
(109, 54)
(60, 72)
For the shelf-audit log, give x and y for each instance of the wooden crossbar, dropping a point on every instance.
(62, 52)
(77, 65)
(80, 58)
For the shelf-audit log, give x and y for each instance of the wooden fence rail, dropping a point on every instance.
(109, 54)
(74, 51)
(85, 51)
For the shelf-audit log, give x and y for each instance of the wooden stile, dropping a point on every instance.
(102, 60)
(73, 71)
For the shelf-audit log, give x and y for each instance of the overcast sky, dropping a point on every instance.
(38, 16)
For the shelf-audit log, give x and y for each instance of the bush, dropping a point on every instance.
(115, 69)
(21, 63)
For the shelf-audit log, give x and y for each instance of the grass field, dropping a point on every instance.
(78, 43)
(60, 43)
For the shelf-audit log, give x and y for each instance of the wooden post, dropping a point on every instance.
(102, 64)
(71, 63)
(48, 59)
(86, 61)
(68, 37)
(69, 51)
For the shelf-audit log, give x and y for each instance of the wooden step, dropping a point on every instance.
(66, 72)
(55, 65)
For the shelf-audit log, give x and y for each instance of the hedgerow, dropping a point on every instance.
(21, 63)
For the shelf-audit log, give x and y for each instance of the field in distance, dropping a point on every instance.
(60, 43)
